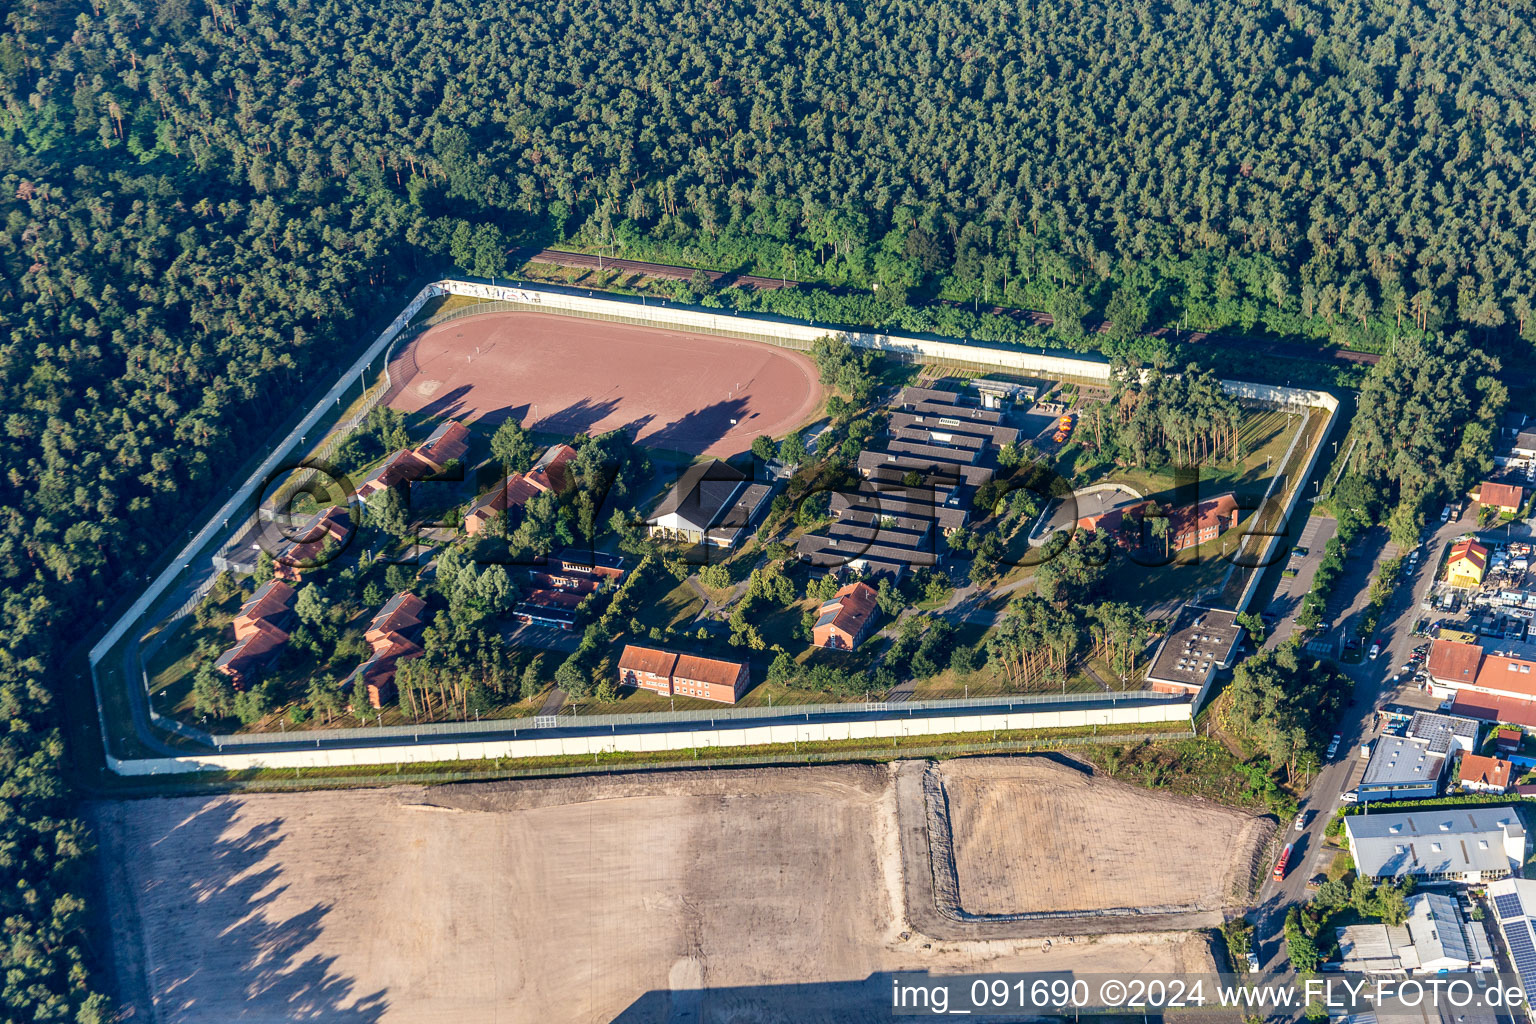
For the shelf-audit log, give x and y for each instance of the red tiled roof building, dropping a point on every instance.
(843, 622)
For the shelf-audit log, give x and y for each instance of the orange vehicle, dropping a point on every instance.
(1283, 863)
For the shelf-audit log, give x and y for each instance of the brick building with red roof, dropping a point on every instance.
(683, 675)
(548, 474)
(1188, 525)
(843, 622)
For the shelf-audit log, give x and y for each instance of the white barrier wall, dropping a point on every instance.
(894, 725)
(1015, 360)
(1024, 362)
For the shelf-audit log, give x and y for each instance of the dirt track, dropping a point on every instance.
(685, 392)
(559, 900)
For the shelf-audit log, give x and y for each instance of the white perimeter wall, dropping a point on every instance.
(895, 725)
(1016, 360)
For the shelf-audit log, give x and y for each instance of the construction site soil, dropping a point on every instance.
(757, 895)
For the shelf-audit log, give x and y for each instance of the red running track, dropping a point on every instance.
(568, 375)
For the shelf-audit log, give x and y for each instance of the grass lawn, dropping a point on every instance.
(444, 304)
(948, 685)
(1192, 571)
(1265, 435)
(172, 667)
(669, 603)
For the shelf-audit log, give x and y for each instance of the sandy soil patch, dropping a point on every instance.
(1031, 834)
(778, 891)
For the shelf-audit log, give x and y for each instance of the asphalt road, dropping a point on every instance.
(1372, 688)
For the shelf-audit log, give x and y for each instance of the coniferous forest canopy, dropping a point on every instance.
(203, 202)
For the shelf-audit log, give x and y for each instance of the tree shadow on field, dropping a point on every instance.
(698, 430)
(447, 405)
(229, 955)
(577, 418)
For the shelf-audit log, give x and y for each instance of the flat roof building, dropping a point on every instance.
(1400, 769)
(1200, 643)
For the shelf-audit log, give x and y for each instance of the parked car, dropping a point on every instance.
(1253, 963)
(1375, 651)
(1333, 744)
(1316, 882)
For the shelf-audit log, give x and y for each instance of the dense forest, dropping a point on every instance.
(202, 202)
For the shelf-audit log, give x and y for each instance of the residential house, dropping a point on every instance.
(259, 634)
(271, 602)
(548, 474)
(1524, 446)
(1507, 498)
(843, 622)
(1481, 774)
(448, 443)
(1506, 740)
(245, 662)
(392, 636)
(1467, 564)
(305, 548)
(683, 675)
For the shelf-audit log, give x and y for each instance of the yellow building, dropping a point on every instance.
(1468, 562)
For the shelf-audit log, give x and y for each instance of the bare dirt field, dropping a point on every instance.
(1032, 834)
(686, 392)
(767, 895)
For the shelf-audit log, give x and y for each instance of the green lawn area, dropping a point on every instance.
(172, 667)
(1191, 572)
(669, 603)
(1265, 435)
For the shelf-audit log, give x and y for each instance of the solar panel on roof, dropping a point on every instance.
(1508, 905)
(1521, 950)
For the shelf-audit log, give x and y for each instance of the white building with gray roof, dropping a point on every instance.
(1459, 844)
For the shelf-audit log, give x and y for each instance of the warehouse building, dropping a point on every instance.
(1461, 844)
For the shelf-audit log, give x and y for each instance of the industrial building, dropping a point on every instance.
(1460, 844)
(1437, 937)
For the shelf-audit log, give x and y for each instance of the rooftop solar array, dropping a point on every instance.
(1508, 905)
(1521, 950)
